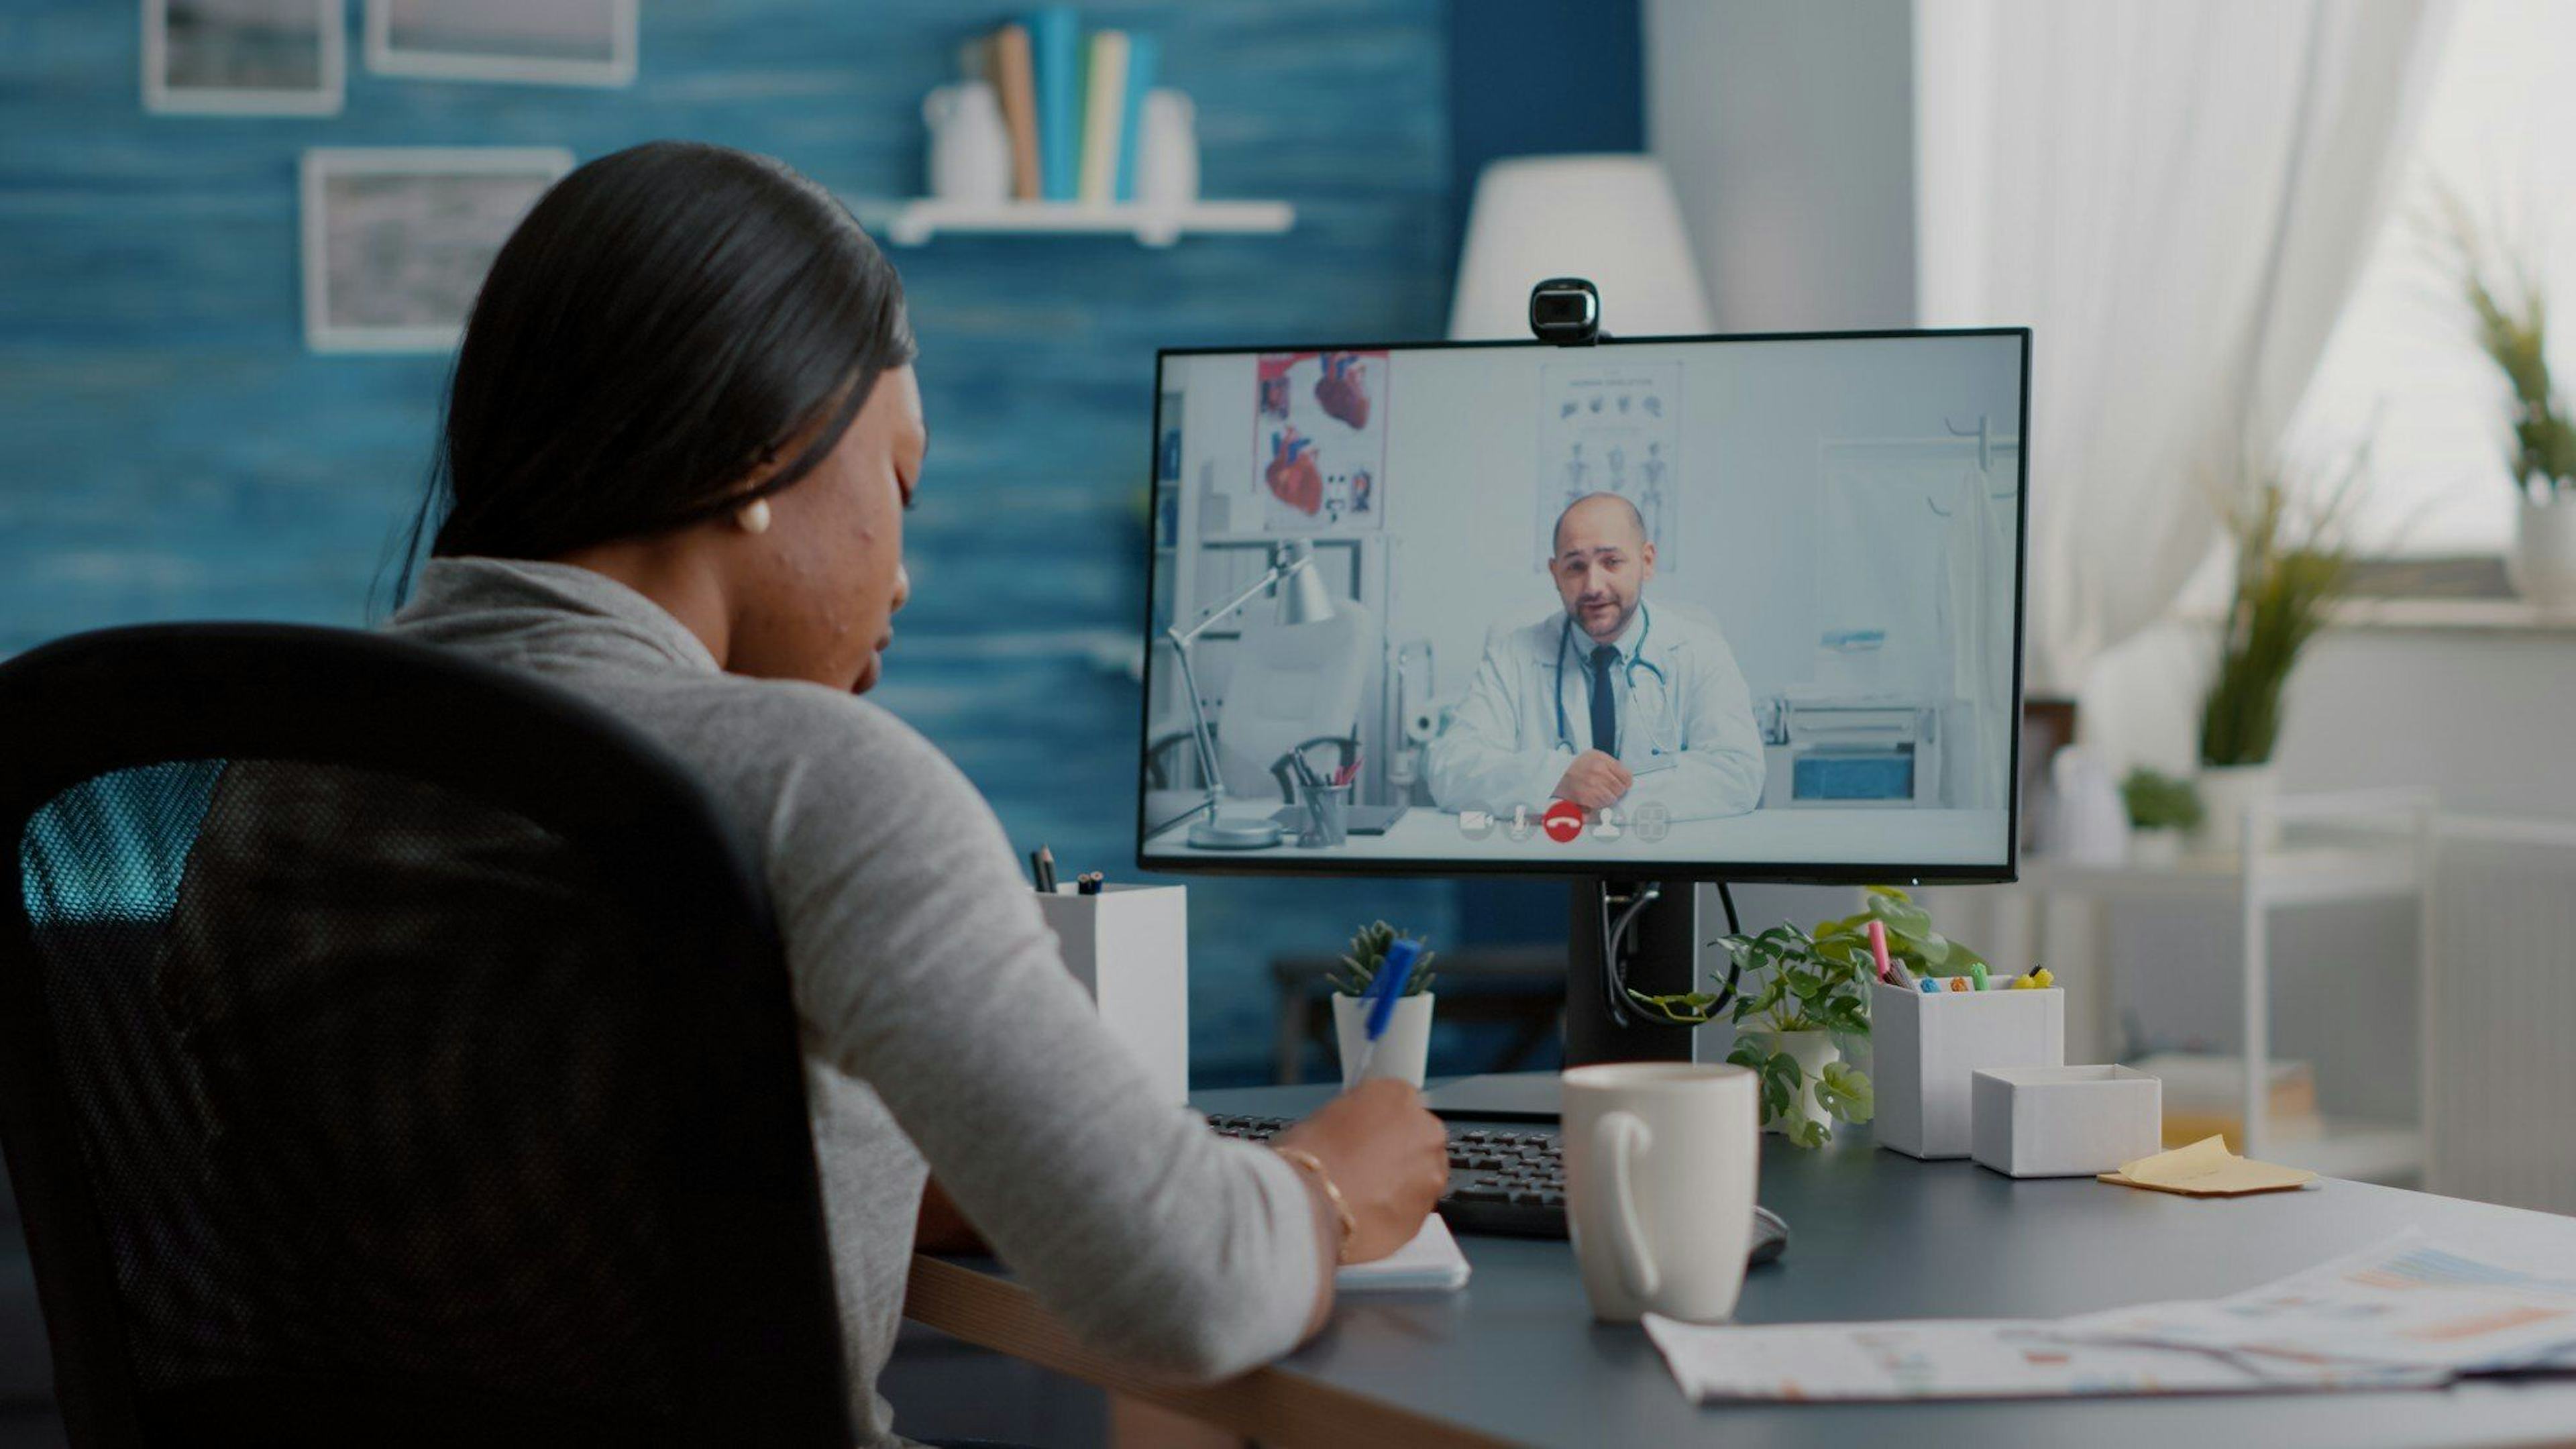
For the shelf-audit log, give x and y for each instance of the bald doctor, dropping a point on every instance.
(1608, 702)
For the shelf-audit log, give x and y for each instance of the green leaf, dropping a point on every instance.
(1808, 1133)
(1781, 1081)
(1747, 1053)
(1845, 1091)
(1843, 1014)
(1901, 915)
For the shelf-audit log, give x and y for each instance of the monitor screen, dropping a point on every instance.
(1726, 607)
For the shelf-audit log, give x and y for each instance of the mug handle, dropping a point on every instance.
(1617, 1138)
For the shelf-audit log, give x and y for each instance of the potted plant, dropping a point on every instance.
(2508, 311)
(1802, 995)
(1404, 1050)
(2291, 564)
(2162, 810)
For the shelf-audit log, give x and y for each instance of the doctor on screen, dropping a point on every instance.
(1607, 702)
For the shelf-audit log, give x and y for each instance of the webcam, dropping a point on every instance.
(1566, 311)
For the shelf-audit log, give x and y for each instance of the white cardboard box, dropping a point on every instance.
(1926, 1044)
(2065, 1121)
(1129, 946)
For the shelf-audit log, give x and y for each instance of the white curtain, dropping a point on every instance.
(2175, 196)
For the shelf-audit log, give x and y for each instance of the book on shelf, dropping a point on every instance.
(1104, 100)
(1055, 42)
(1015, 84)
(1073, 103)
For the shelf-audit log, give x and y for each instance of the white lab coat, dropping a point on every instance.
(1502, 749)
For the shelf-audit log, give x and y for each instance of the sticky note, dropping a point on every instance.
(2207, 1169)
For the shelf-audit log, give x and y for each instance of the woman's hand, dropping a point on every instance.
(1388, 1155)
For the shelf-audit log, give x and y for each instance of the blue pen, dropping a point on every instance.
(1387, 985)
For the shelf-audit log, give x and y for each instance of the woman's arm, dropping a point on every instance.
(923, 969)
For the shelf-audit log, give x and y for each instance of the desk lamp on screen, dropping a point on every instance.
(1644, 612)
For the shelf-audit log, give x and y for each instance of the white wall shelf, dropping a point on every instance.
(914, 223)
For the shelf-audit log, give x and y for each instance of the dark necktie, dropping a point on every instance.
(1605, 708)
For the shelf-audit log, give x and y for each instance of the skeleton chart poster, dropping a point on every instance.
(1610, 428)
(1319, 442)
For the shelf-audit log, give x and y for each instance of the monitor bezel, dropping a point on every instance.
(1273, 863)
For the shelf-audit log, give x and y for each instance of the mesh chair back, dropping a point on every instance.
(397, 1050)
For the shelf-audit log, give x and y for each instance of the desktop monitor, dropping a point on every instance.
(1714, 608)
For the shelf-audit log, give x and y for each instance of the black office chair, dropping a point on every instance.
(393, 1050)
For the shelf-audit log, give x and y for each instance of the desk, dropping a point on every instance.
(1517, 1359)
(1926, 837)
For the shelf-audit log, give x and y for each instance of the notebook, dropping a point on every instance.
(1431, 1260)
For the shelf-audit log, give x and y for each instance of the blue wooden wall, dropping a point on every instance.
(168, 449)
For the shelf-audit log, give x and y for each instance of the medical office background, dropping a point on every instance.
(170, 449)
(1844, 514)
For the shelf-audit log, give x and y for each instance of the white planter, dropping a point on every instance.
(2228, 793)
(1813, 1051)
(2155, 849)
(2543, 562)
(1402, 1052)
(1928, 1046)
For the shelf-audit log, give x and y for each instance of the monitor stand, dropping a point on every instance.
(1662, 957)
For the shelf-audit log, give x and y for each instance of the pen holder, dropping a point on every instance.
(1129, 946)
(1927, 1046)
(1323, 815)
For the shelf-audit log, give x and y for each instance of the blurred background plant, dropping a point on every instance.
(2293, 560)
(2158, 801)
(2508, 310)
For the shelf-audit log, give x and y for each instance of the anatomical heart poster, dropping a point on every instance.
(1319, 441)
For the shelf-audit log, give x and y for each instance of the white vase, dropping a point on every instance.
(1402, 1051)
(2543, 562)
(1813, 1051)
(1167, 151)
(2086, 823)
(970, 147)
(2228, 795)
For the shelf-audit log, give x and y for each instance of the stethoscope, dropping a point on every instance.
(1658, 743)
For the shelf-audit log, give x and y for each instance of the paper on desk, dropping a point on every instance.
(2207, 1169)
(1962, 1359)
(2408, 1302)
(1431, 1260)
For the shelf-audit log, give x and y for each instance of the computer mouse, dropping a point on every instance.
(1770, 1238)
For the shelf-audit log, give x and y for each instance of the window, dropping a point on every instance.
(2499, 129)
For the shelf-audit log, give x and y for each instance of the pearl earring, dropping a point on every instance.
(754, 516)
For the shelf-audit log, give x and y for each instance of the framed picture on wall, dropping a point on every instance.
(244, 57)
(543, 42)
(397, 240)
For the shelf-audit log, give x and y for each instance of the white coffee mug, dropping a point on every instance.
(1661, 1160)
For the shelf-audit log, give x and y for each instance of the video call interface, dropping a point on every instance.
(1746, 602)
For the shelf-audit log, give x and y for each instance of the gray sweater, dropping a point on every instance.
(941, 1030)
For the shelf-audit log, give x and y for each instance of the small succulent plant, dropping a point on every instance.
(1367, 953)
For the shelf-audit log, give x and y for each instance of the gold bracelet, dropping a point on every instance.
(1300, 1157)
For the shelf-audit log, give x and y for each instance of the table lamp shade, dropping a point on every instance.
(1303, 597)
(1609, 219)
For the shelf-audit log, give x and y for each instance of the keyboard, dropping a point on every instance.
(1507, 1181)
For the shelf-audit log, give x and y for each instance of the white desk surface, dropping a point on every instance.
(1430, 836)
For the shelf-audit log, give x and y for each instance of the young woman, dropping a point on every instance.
(681, 437)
